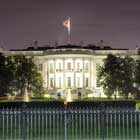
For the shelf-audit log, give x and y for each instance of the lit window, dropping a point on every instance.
(86, 84)
(51, 68)
(40, 67)
(78, 66)
(69, 81)
(59, 82)
(51, 82)
(68, 66)
(59, 66)
(86, 66)
(97, 79)
(78, 81)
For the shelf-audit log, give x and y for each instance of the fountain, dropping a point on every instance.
(66, 119)
(69, 96)
(26, 95)
(24, 113)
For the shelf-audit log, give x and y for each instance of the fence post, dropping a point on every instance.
(65, 121)
(24, 130)
(103, 120)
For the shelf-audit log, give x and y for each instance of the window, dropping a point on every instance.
(59, 66)
(51, 68)
(86, 84)
(78, 81)
(40, 67)
(59, 82)
(51, 82)
(97, 80)
(69, 81)
(78, 66)
(86, 66)
(68, 66)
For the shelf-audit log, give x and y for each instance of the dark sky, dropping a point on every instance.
(117, 22)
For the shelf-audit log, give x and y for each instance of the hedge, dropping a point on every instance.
(60, 104)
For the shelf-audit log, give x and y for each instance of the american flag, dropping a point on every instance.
(66, 23)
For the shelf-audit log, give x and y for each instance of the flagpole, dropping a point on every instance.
(69, 37)
(69, 29)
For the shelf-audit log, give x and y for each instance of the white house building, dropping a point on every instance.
(71, 66)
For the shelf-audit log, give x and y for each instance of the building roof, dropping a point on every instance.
(88, 47)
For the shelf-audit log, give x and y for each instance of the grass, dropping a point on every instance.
(33, 100)
(77, 100)
(138, 105)
(106, 99)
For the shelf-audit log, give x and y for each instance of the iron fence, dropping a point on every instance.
(69, 123)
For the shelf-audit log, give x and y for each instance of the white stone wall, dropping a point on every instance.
(80, 70)
(83, 66)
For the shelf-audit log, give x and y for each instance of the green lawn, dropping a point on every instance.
(77, 100)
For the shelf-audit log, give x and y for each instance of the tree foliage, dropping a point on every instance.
(126, 78)
(21, 72)
(26, 74)
(5, 75)
(137, 77)
(137, 72)
(116, 75)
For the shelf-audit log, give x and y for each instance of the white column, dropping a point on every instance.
(64, 73)
(42, 61)
(74, 78)
(93, 73)
(47, 72)
(54, 73)
(83, 73)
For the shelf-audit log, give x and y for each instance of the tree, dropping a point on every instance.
(2, 75)
(6, 75)
(137, 71)
(126, 78)
(107, 75)
(116, 75)
(25, 73)
(137, 74)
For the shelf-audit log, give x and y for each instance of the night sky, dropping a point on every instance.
(117, 22)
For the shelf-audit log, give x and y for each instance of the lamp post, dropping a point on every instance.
(24, 121)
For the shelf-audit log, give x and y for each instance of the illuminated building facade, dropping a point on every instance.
(71, 66)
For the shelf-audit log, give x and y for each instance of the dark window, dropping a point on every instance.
(40, 67)
(68, 66)
(69, 81)
(86, 82)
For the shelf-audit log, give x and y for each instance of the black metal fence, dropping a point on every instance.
(69, 124)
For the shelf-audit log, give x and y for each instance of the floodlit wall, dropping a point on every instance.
(71, 68)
